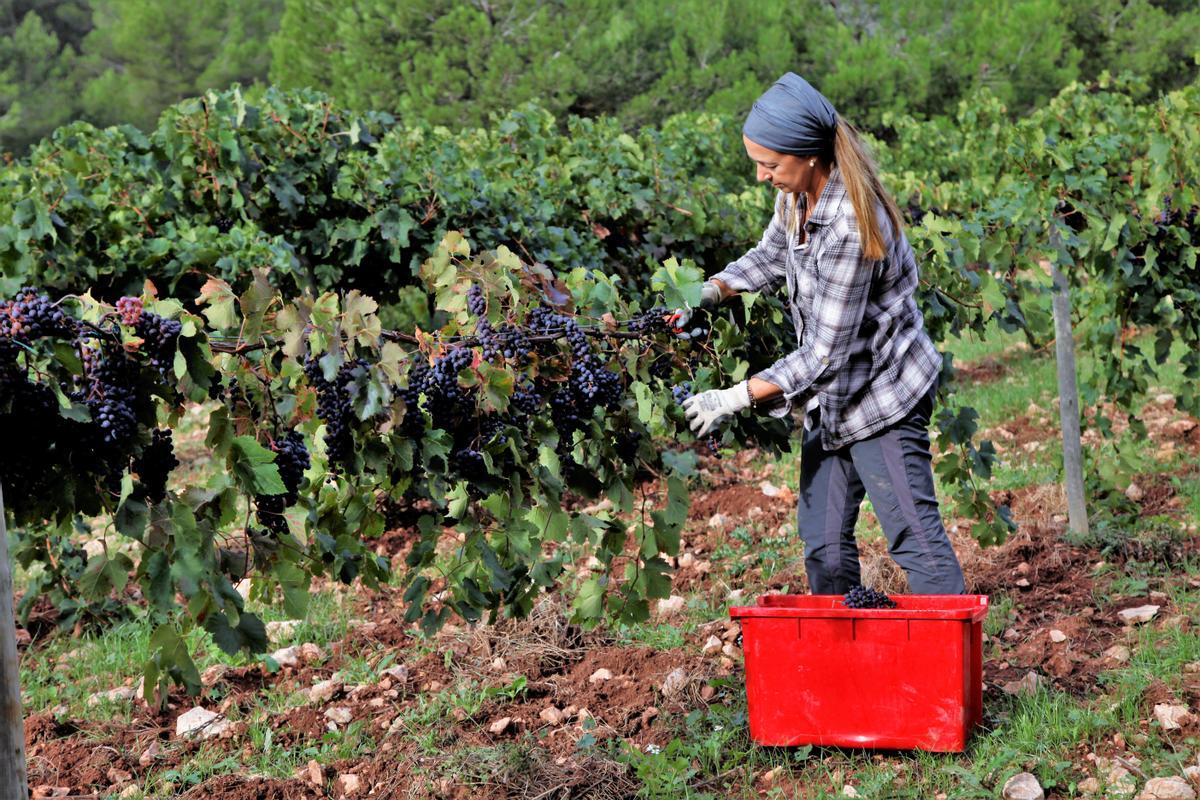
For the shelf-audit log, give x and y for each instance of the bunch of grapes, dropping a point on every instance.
(224, 224)
(31, 423)
(662, 367)
(544, 321)
(11, 373)
(130, 309)
(626, 443)
(292, 459)
(159, 336)
(468, 462)
(334, 408)
(564, 415)
(861, 597)
(221, 390)
(476, 301)
(155, 464)
(108, 392)
(447, 402)
(681, 392)
(30, 315)
(527, 399)
(652, 321)
(594, 385)
(506, 343)
(418, 383)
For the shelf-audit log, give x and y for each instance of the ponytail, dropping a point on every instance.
(861, 177)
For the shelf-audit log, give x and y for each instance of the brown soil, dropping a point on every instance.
(991, 368)
(237, 787)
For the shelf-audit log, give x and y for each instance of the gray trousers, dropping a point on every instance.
(893, 468)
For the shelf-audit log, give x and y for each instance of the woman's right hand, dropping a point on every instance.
(710, 296)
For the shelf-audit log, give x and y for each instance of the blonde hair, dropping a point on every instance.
(861, 177)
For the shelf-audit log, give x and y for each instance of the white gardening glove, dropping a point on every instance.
(710, 296)
(706, 410)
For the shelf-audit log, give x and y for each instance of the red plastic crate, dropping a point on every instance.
(905, 678)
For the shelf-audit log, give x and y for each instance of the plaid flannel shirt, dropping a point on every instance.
(862, 347)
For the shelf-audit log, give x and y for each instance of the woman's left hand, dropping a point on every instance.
(707, 410)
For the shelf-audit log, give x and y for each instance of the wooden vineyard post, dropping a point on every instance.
(1068, 402)
(13, 781)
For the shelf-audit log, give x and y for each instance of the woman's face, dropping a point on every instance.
(787, 172)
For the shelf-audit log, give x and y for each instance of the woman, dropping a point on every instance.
(864, 370)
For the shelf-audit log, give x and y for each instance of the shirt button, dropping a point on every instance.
(825, 361)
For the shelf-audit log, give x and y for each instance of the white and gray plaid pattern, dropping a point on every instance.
(862, 346)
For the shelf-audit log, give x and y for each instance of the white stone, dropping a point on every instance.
(1135, 492)
(1136, 616)
(311, 653)
(349, 784)
(1192, 774)
(213, 675)
(1023, 786)
(769, 489)
(769, 777)
(282, 629)
(339, 714)
(398, 673)
(1118, 653)
(1027, 685)
(1121, 783)
(850, 791)
(720, 521)
(600, 675)
(551, 716)
(686, 560)
(1057, 636)
(672, 605)
(1172, 788)
(121, 694)
(1171, 717)
(674, 682)
(500, 726)
(712, 646)
(200, 722)
(324, 691)
(287, 656)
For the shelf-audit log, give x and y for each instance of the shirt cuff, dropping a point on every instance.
(733, 280)
(778, 374)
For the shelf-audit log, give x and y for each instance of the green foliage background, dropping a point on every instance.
(457, 63)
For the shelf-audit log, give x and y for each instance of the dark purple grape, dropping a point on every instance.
(155, 463)
(861, 597)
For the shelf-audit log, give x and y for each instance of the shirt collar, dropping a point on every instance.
(830, 199)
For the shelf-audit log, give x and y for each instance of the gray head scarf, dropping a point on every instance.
(792, 117)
